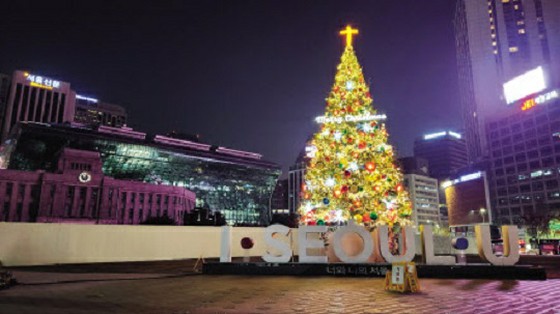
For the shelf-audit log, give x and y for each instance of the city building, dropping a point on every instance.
(239, 184)
(77, 191)
(31, 97)
(4, 91)
(445, 152)
(279, 200)
(91, 111)
(37, 98)
(468, 199)
(296, 180)
(423, 192)
(525, 160)
(497, 40)
(414, 165)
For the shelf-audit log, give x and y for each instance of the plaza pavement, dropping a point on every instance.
(173, 287)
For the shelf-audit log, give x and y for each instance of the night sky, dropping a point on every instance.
(248, 75)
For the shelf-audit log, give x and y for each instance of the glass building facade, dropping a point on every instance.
(239, 187)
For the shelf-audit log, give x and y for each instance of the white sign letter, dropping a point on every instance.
(225, 248)
(409, 246)
(305, 244)
(283, 247)
(510, 236)
(367, 249)
(427, 242)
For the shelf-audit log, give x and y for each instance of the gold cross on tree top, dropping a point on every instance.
(349, 32)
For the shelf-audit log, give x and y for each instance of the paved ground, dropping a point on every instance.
(173, 288)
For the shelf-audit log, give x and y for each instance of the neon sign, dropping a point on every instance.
(524, 85)
(41, 82)
(465, 178)
(440, 134)
(86, 98)
(540, 99)
(351, 118)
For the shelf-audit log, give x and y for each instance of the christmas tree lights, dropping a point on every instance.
(351, 173)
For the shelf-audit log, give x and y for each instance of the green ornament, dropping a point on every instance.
(360, 188)
(320, 222)
(373, 216)
(404, 215)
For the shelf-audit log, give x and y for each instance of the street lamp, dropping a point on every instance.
(482, 212)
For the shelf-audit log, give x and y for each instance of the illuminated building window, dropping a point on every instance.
(495, 51)
(494, 44)
(521, 22)
(505, 1)
(493, 35)
(513, 49)
(521, 31)
(516, 7)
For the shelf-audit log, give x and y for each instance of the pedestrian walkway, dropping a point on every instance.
(145, 293)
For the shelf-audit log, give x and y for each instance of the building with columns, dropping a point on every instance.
(79, 192)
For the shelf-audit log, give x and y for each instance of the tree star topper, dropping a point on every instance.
(349, 32)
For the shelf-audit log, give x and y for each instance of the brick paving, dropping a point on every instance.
(144, 293)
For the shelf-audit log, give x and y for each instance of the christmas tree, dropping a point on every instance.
(351, 173)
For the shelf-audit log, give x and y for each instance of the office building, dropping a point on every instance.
(468, 199)
(445, 152)
(414, 165)
(31, 97)
(296, 180)
(4, 91)
(37, 98)
(77, 191)
(91, 111)
(239, 184)
(525, 160)
(497, 40)
(423, 192)
(279, 199)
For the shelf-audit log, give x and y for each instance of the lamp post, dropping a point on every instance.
(482, 212)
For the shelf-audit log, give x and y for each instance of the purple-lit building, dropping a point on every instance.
(30, 97)
(37, 98)
(79, 192)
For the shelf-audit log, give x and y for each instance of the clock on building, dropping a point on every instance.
(84, 177)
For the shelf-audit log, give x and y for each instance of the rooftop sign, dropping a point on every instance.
(465, 178)
(86, 98)
(525, 85)
(540, 99)
(41, 81)
(440, 134)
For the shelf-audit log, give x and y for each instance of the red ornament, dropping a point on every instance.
(347, 173)
(344, 189)
(370, 166)
(362, 145)
(247, 243)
